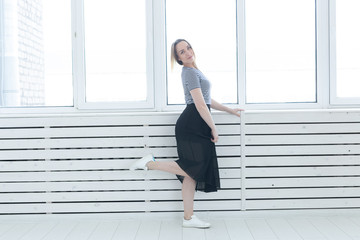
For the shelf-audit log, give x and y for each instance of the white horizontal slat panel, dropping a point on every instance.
(303, 171)
(116, 207)
(87, 186)
(73, 132)
(302, 139)
(225, 118)
(310, 150)
(98, 164)
(88, 120)
(303, 193)
(104, 185)
(74, 176)
(106, 131)
(302, 160)
(111, 196)
(63, 165)
(303, 116)
(81, 176)
(23, 144)
(98, 175)
(306, 128)
(335, 203)
(75, 153)
(112, 142)
(307, 182)
(229, 162)
(104, 153)
(73, 207)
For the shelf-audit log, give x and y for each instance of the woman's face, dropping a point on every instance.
(185, 54)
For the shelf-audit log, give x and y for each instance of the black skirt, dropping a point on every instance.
(197, 155)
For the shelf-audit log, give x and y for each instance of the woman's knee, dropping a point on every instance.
(189, 180)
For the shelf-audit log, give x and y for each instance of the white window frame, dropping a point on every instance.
(334, 100)
(79, 64)
(320, 54)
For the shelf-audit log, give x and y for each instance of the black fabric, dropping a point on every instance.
(197, 154)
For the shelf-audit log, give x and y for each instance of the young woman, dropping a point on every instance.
(196, 135)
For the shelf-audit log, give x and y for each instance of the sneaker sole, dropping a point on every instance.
(196, 227)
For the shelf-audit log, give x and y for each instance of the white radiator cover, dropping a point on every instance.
(53, 164)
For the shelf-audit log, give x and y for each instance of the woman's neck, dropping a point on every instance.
(190, 65)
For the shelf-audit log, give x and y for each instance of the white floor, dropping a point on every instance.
(234, 227)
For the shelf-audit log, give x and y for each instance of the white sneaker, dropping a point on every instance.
(141, 163)
(194, 222)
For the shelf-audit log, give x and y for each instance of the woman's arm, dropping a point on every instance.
(218, 106)
(204, 112)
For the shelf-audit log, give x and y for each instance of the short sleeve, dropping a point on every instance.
(191, 80)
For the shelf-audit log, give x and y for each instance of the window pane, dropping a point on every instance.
(347, 48)
(115, 50)
(210, 27)
(280, 51)
(35, 54)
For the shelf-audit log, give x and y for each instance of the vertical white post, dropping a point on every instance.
(325, 52)
(78, 48)
(146, 178)
(159, 41)
(243, 161)
(241, 44)
(48, 168)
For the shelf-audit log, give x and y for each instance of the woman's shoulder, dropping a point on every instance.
(187, 71)
(190, 71)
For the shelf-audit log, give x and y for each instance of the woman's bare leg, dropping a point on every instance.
(188, 185)
(188, 192)
(167, 166)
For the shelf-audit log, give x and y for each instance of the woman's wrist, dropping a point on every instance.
(229, 110)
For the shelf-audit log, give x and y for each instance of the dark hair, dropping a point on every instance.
(174, 55)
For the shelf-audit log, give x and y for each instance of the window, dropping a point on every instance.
(116, 51)
(346, 64)
(280, 51)
(210, 27)
(97, 55)
(35, 54)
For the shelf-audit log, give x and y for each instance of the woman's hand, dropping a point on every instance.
(235, 111)
(215, 135)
